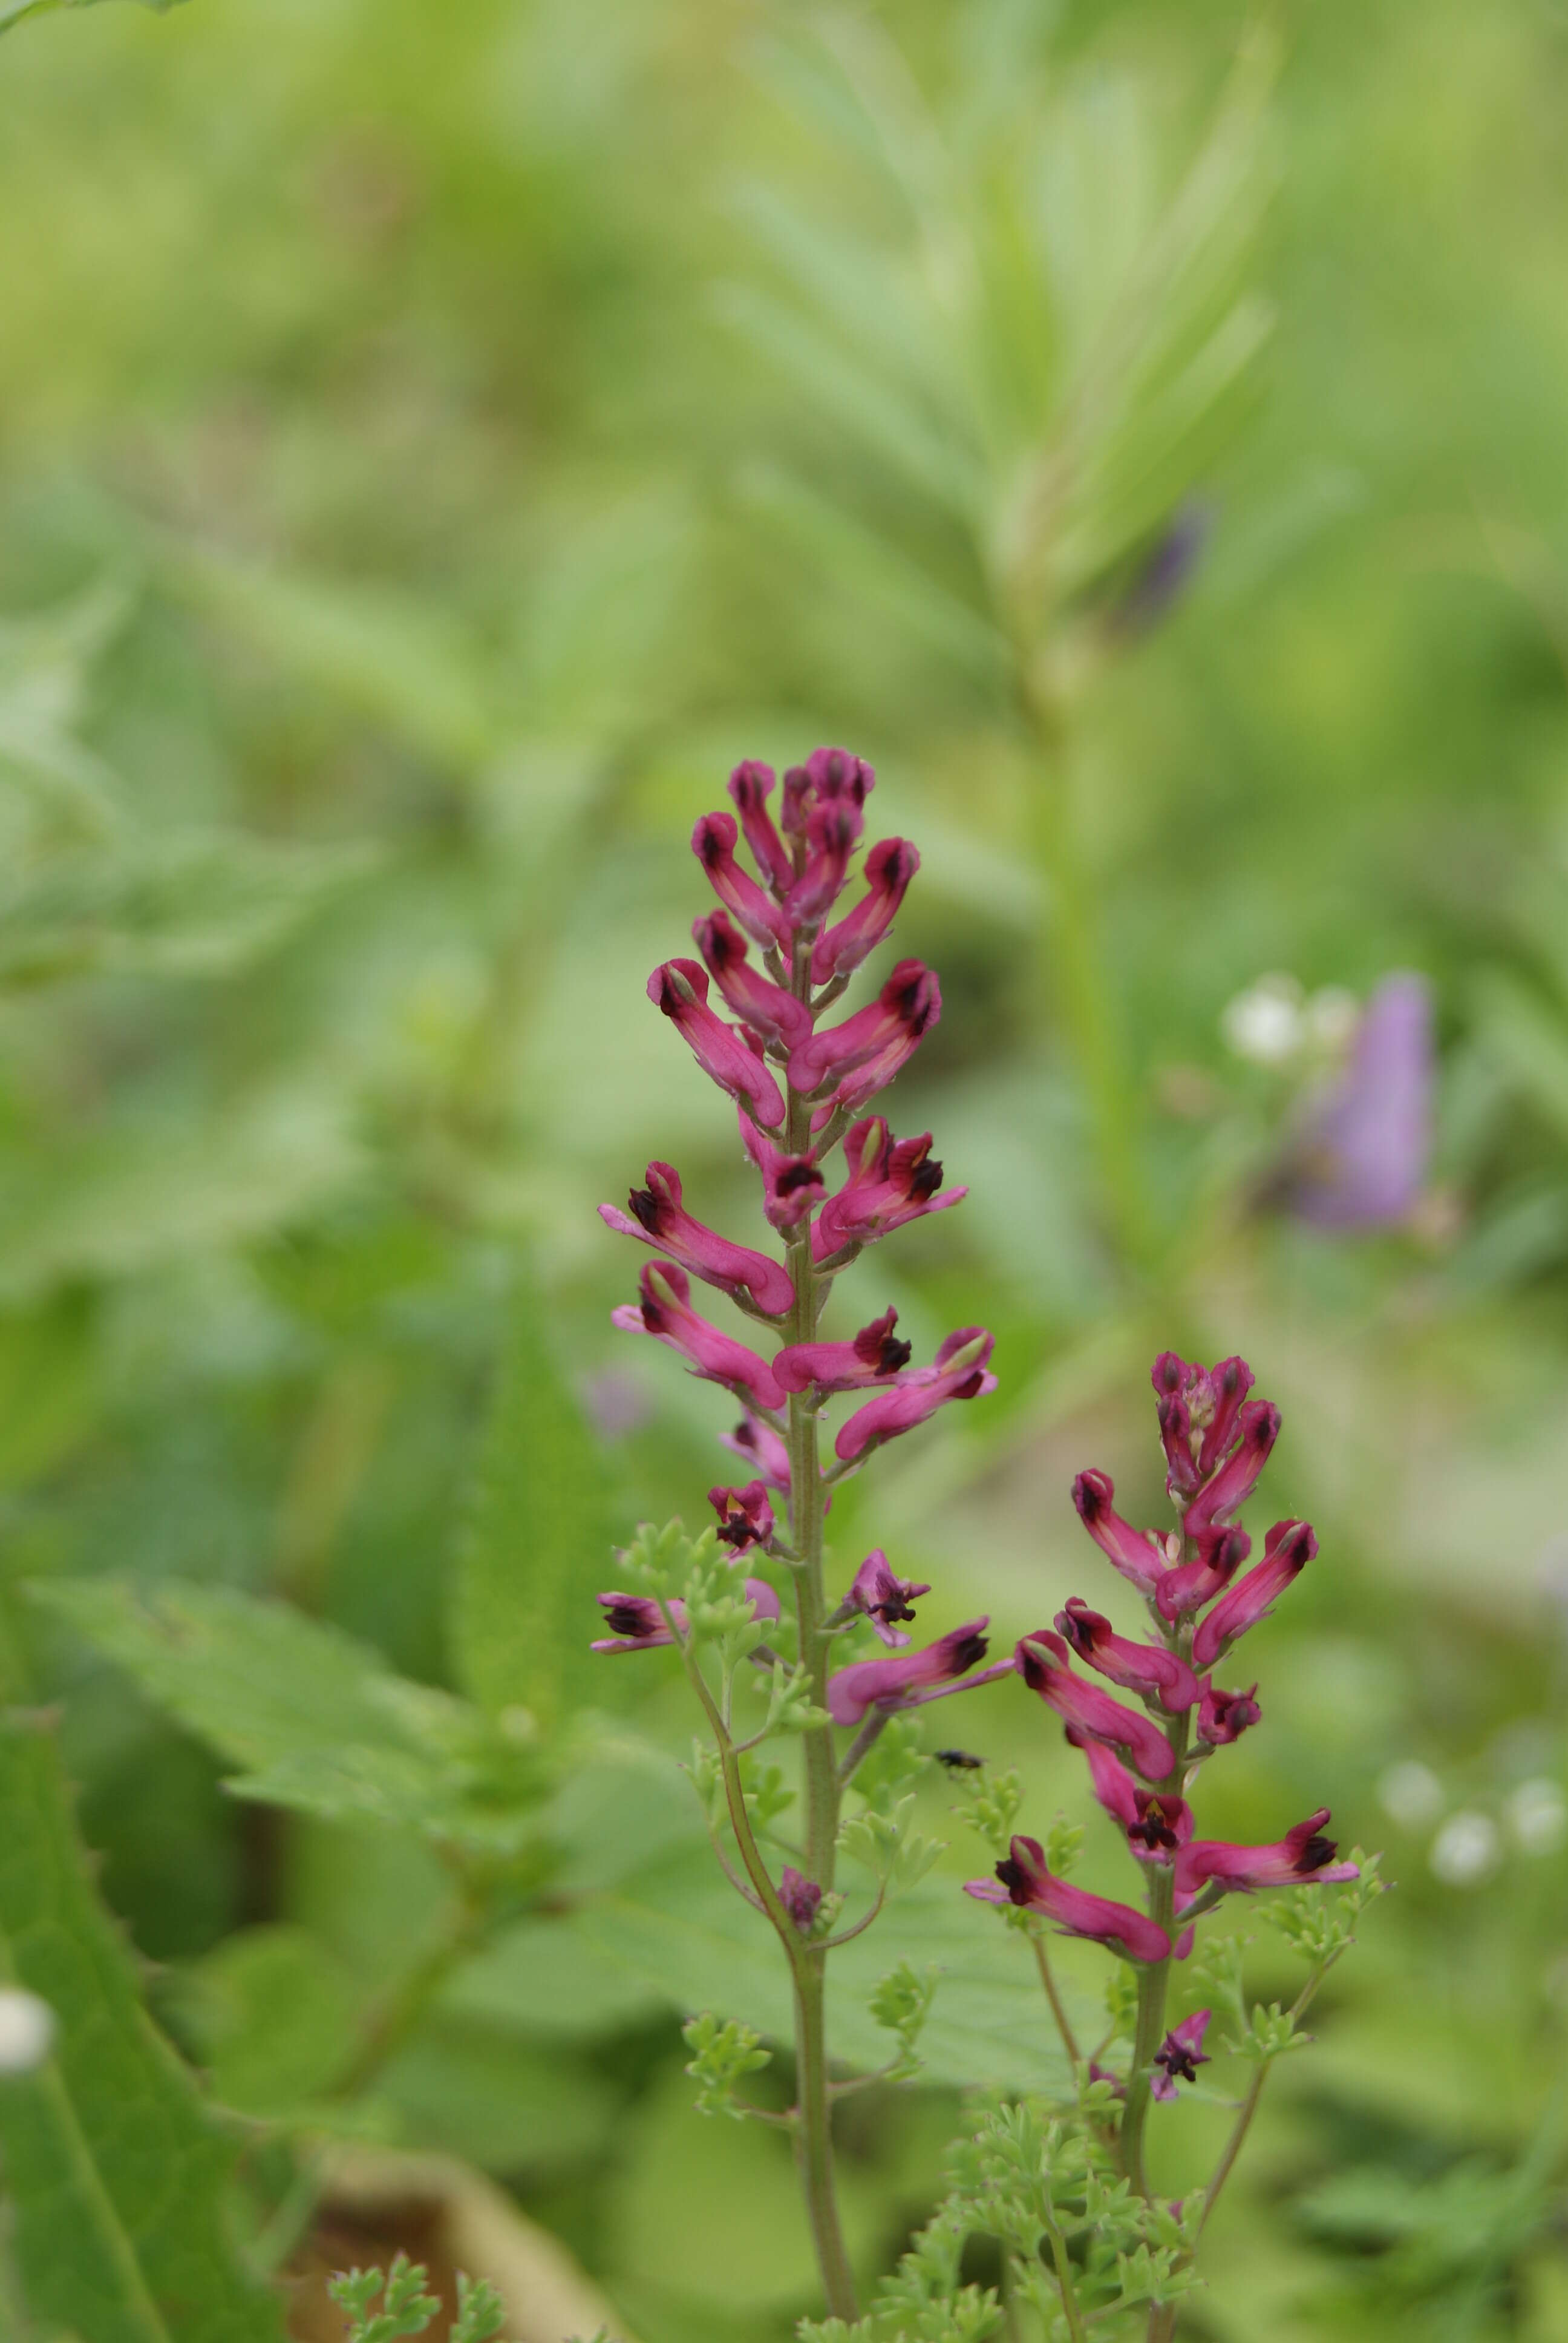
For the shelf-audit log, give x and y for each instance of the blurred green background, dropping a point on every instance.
(435, 445)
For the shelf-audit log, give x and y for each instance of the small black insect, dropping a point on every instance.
(957, 1761)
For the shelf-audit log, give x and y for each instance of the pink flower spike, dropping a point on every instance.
(775, 1014)
(1024, 1880)
(884, 1597)
(637, 1622)
(959, 1372)
(891, 1182)
(1191, 1584)
(759, 1446)
(873, 1355)
(1147, 1669)
(751, 787)
(1224, 1716)
(1228, 1384)
(745, 1516)
(1041, 1660)
(908, 1004)
(791, 1184)
(1287, 1550)
(713, 843)
(1180, 2056)
(889, 867)
(660, 1219)
(1304, 1853)
(679, 988)
(1133, 1552)
(799, 1896)
(665, 1311)
(1233, 1483)
(895, 1683)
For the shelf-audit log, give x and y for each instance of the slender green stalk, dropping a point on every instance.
(1060, 2256)
(1152, 1983)
(1063, 2025)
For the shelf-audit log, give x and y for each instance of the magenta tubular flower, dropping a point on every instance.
(665, 1311)
(875, 1354)
(908, 1005)
(832, 834)
(884, 1597)
(764, 921)
(774, 1014)
(1041, 1660)
(828, 776)
(1180, 2056)
(660, 1219)
(889, 867)
(959, 1372)
(791, 1184)
(900, 1682)
(1191, 1584)
(745, 1516)
(1228, 1384)
(679, 988)
(1134, 1552)
(1175, 1420)
(891, 1182)
(800, 1897)
(759, 1445)
(751, 787)
(1023, 1879)
(1147, 1669)
(1108, 1778)
(1304, 1853)
(1287, 1550)
(1259, 1425)
(639, 1625)
(1224, 1716)
(1155, 1823)
(1360, 1156)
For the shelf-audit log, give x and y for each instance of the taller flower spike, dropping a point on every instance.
(679, 990)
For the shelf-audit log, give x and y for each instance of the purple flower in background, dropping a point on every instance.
(1162, 576)
(1180, 2056)
(1360, 1154)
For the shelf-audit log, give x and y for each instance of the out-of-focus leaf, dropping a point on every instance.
(536, 1541)
(48, 1380)
(195, 904)
(12, 11)
(542, 1978)
(1530, 1040)
(273, 2016)
(117, 2178)
(478, 2091)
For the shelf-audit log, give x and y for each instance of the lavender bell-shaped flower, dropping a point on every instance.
(1359, 1154)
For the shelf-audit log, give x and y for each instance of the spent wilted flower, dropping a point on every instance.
(1180, 2056)
(884, 1598)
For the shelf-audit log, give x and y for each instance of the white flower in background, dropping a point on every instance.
(1467, 1849)
(1537, 1816)
(1409, 1793)
(1331, 1017)
(1265, 1025)
(27, 2031)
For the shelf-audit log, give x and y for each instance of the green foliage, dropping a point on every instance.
(407, 2310)
(12, 11)
(990, 1803)
(720, 2054)
(118, 2181)
(1320, 1923)
(537, 1543)
(902, 2002)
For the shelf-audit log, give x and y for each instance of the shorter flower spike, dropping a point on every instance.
(1147, 1669)
(639, 1624)
(660, 1219)
(891, 1182)
(959, 1372)
(1041, 1660)
(1180, 2056)
(751, 787)
(791, 1184)
(889, 867)
(666, 1312)
(1304, 1853)
(800, 1897)
(1022, 1879)
(764, 921)
(1287, 1550)
(907, 1007)
(775, 1014)
(745, 1516)
(759, 1445)
(678, 988)
(884, 1598)
(1133, 1552)
(875, 1354)
(1259, 1425)
(1224, 1716)
(897, 1682)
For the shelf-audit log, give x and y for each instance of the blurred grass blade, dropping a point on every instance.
(536, 1544)
(116, 2175)
(12, 11)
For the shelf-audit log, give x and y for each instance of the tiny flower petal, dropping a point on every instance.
(832, 834)
(678, 988)
(889, 1183)
(637, 1623)
(745, 1516)
(791, 1184)
(1287, 1550)
(829, 776)
(660, 1219)
(874, 1356)
(665, 1311)
(799, 1896)
(759, 1446)
(1134, 1552)
(1026, 1881)
(1191, 1584)
(884, 1597)
(1228, 1384)
(1224, 1716)
(1180, 2056)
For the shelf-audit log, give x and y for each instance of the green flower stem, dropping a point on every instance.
(1154, 1978)
(1063, 2265)
(1063, 2027)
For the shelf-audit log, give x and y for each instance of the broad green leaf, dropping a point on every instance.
(12, 11)
(537, 1544)
(116, 2175)
(275, 2018)
(478, 2091)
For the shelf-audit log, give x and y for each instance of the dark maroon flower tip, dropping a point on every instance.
(880, 1348)
(1224, 1716)
(1180, 2056)
(745, 1516)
